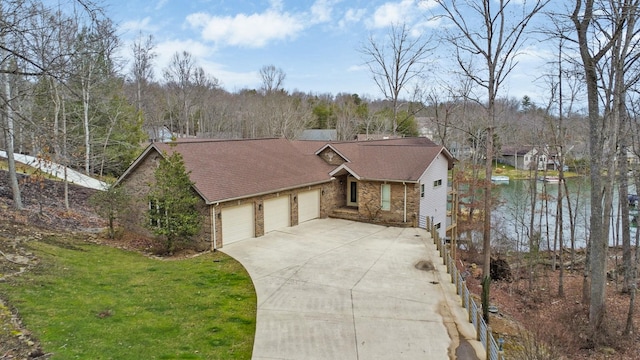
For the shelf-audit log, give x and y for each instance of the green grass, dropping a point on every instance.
(514, 174)
(20, 168)
(86, 301)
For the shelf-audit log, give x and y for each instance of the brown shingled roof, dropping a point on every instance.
(223, 170)
(391, 160)
(229, 169)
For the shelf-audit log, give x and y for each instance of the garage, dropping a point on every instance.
(276, 213)
(237, 223)
(308, 205)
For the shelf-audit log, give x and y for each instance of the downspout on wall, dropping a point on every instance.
(213, 229)
(405, 201)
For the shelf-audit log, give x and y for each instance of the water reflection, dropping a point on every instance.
(512, 218)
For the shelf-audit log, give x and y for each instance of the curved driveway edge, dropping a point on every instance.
(336, 289)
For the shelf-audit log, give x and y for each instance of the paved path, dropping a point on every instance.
(336, 289)
(57, 170)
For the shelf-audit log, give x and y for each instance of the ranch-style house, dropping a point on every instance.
(250, 187)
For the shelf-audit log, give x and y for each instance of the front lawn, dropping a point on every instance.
(88, 301)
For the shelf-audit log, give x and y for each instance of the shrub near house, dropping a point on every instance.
(173, 212)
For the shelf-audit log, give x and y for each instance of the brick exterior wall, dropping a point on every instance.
(338, 193)
(137, 186)
(369, 202)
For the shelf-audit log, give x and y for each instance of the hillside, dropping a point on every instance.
(44, 213)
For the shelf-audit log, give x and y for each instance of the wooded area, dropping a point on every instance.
(66, 97)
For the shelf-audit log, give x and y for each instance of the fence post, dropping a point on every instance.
(444, 250)
(457, 278)
(445, 261)
(489, 342)
(467, 299)
(478, 324)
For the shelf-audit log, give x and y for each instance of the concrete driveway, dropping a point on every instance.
(336, 289)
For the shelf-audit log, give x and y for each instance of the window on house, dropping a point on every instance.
(438, 226)
(153, 220)
(437, 183)
(385, 197)
(421, 190)
(354, 192)
(156, 212)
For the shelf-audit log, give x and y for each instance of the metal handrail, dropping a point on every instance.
(483, 330)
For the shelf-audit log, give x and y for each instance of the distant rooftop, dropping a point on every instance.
(319, 134)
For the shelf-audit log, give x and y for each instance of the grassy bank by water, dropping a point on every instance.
(88, 301)
(514, 174)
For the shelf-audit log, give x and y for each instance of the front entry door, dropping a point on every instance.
(352, 192)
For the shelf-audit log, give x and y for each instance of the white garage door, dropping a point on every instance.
(276, 213)
(237, 223)
(308, 205)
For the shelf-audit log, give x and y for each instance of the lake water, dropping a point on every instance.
(511, 219)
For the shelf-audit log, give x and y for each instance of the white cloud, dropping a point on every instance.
(321, 10)
(352, 16)
(433, 23)
(427, 4)
(138, 25)
(169, 47)
(254, 30)
(277, 4)
(161, 4)
(357, 68)
(230, 80)
(394, 13)
(258, 29)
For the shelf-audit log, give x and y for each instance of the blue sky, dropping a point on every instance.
(314, 42)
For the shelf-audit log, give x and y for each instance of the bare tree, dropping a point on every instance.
(142, 69)
(634, 145)
(617, 76)
(281, 115)
(93, 67)
(27, 52)
(602, 129)
(179, 76)
(272, 79)
(494, 35)
(350, 112)
(8, 126)
(12, 15)
(396, 62)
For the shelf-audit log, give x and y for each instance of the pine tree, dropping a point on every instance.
(173, 212)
